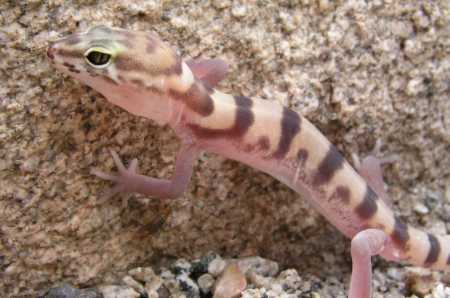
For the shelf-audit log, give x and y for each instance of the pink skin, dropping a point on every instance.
(364, 244)
(370, 242)
(209, 71)
(370, 169)
(128, 180)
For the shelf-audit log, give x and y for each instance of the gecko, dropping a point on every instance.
(140, 73)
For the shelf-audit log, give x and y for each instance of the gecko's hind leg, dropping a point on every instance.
(370, 169)
(209, 71)
(128, 180)
(365, 244)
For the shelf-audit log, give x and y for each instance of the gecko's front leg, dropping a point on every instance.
(129, 180)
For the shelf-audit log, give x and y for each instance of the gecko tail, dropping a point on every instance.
(405, 243)
(420, 248)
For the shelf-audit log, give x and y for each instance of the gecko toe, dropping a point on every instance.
(104, 175)
(117, 161)
(133, 167)
(123, 179)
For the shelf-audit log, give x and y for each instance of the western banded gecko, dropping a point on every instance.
(140, 73)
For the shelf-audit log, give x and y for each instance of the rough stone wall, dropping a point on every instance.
(362, 71)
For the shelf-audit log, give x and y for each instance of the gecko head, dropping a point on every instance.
(116, 56)
(120, 64)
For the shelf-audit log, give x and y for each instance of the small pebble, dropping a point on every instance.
(118, 292)
(421, 209)
(144, 274)
(395, 273)
(231, 283)
(67, 291)
(154, 286)
(258, 265)
(206, 282)
(216, 266)
(441, 292)
(129, 281)
(258, 280)
(186, 284)
(181, 266)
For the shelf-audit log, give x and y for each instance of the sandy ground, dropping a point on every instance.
(361, 72)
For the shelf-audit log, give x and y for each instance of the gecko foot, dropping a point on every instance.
(365, 244)
(125, 179)
(129, 180)
(370, 169)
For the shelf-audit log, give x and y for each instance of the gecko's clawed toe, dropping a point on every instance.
(117, 161)
(133, 165)
(123, 178)
(103, 175)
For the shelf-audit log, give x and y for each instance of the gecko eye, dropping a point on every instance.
(98, 57)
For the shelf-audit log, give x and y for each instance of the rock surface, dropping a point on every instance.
(362, 71)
